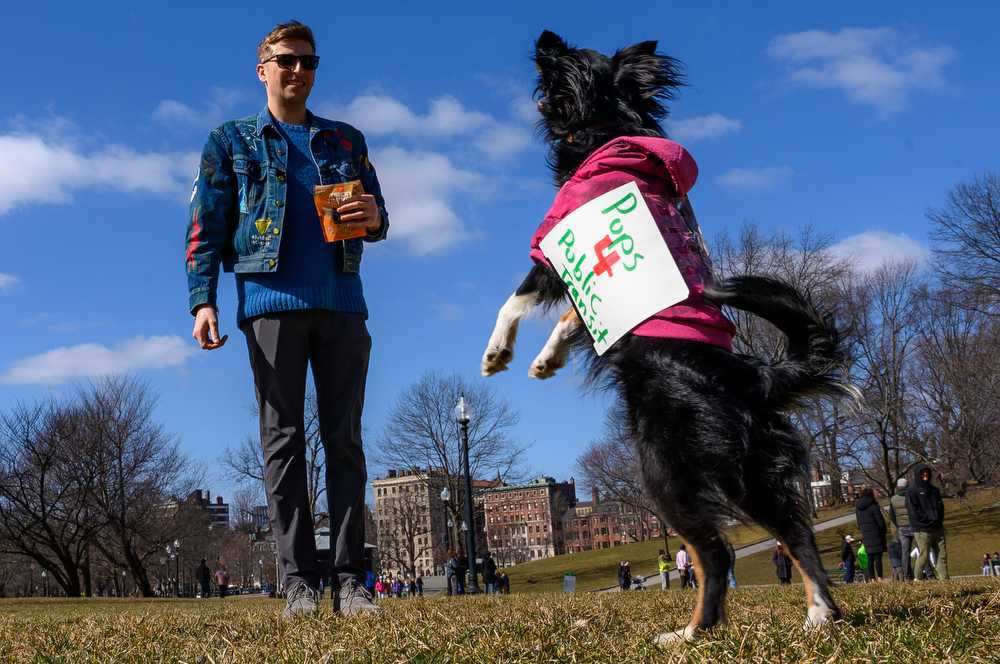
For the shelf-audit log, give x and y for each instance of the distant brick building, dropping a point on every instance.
(412, 519)
(595, 524)
(524, 522)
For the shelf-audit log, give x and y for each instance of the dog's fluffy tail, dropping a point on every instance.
(815, 356)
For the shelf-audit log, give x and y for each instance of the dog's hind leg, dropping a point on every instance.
(556, 350)
(710, 558)
(688, 509)
(774, 501)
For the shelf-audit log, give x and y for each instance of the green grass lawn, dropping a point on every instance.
(968, 535)
(599, 569)
(930, 622)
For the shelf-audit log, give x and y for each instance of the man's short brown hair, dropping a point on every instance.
(289, 30)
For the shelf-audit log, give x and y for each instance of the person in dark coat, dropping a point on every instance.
(926, 510)
(490, 574)
(847, 558)
(782, 565)
(204, 576)
(873, 529)
(624, 575)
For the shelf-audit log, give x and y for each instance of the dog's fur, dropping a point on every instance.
(709, 425)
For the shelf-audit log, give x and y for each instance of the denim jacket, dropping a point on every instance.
(237, 205)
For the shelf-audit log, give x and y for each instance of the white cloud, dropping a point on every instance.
(8, 281)
(754, 179)
(420, 188)
(873, 66)
(701, 127)
(869, 250)
(38, 170)
(211, 113)
(379, 115)
(91, 360)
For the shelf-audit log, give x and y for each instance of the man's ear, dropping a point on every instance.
(642, 74)
(260, 73)
(550, 44)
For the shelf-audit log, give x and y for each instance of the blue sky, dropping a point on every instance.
(855, 119)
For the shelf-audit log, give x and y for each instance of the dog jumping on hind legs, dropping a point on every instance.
(709, 425)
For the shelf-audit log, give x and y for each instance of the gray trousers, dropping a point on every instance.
(337, 346)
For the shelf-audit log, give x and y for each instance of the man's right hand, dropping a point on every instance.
(206, 328)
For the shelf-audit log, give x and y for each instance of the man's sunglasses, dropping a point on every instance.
(288, 60)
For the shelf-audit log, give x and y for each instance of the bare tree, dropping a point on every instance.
(611, 466)
(244, 463)
(138, 467)
(967, 235)
(958, 372)
(887, 326)
(422, 433)
(45, 508)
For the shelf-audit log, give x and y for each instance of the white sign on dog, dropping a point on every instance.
(616, 264)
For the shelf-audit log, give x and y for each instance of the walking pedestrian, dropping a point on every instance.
(996, 563)
(504, 583)
(624, 575)
(847, 558)
(782, 565)
(204, 576)
(663, 566)
(902, 530)
(420, 586)
(682, 561)
(987, 565)
(490, 574)
(222, 580)
(300, 302)
(926, 510)
(873, 531)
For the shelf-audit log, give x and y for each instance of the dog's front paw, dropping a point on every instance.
(495, 360)
(542, 368)
(547, 363)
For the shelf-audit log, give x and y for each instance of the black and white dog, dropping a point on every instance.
(709, 425)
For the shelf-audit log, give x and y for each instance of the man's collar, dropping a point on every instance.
(264, 119)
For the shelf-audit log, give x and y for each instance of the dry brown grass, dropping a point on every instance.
(929, 622)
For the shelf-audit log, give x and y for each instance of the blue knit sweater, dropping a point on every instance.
(307, 278)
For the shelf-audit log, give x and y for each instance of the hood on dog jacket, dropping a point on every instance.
(664, 172)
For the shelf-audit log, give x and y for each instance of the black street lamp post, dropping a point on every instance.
(462, 416)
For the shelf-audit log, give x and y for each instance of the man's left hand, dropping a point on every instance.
(361, 211)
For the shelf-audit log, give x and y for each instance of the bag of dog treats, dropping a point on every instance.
(328, 197)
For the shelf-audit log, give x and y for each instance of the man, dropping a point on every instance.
(682, 561)
(300, 302)
(926, 511)
(204, 576)
(490, 574)
(901, 523)
(663, 566)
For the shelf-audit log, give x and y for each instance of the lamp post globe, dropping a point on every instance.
(463, 415)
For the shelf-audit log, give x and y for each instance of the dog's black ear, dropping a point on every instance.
(642, 75)
(550, 44)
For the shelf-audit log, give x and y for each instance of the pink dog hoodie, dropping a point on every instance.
(664, 172)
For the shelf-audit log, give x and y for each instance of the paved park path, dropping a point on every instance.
(652, 580)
